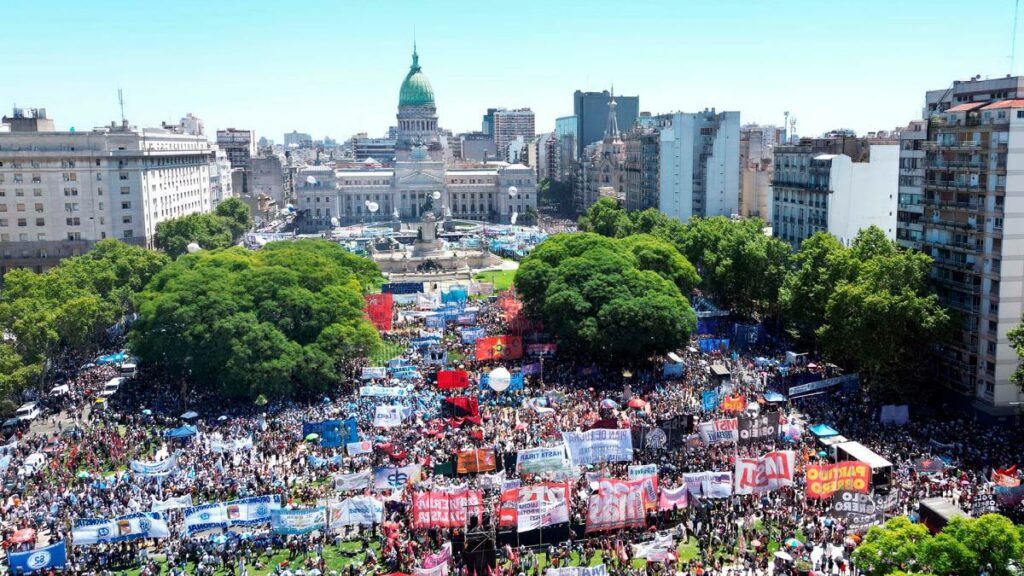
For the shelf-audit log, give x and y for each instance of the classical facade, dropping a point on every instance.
(492, 191)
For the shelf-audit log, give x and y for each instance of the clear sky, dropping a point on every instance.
(333, 67)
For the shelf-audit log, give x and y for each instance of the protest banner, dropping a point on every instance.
(389, 416)
(393, 478)
(641, 471)
(617, 505)
(764, 474)
(87, 531)
(44, 559)
(452, 379)
(672, 498)
(542, 505)
(374, 373)
(715, 431)
(735, 403)
(598, 570)
(709, 400)
(473, 461)
(355, 481)
(173, 503)
(295, 522)
(379, 308)
(386, 391)
(499, 347)
(764, 426)
(446, 508)
(161, 468)
(357, 448)
(355, 511)
(599, 445)
(823, 480)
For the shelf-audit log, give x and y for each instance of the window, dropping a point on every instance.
(71, 206)
(19, 192)
(3, 207)
(40, 222)
(73, 221)
(126, 205)
(74, 235)
(37, 179)
(122, 175)
(37, 192)
(22, 222)
(3, 222)
(127, 233)
(71, 191)
(21, 207)
(126, 219)
(38, 207)
(126, 190)
(41, 236)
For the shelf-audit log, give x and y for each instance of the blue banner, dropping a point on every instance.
(298, 521)
(312, 428)
(402, 287)
(53, 556)
(714, 345)
(456, 294)
(514, 383)
(709, 400)
(671, 369)
(331, 435)
(470, 335)
(467, 319)
(351, 431)
(435, 321)
(422, 342)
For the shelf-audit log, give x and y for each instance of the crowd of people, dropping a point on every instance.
(88, 448)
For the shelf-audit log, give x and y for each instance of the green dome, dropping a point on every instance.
(416, 89)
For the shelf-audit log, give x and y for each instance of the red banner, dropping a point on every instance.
(452, 379)
(442, 509)
(379, 310)
(735, 403)
(508, 509)
(499, 347)
(619, 504)
(824, 480)
(480, 460)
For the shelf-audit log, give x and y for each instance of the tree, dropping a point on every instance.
(238, 214)
(885, 321)
(894, 547)
(15, 376)
(606, 218)
(1016, 336)
(209, 231)
(281, 322)
(992, 541)
(598, 299)
(820, 266)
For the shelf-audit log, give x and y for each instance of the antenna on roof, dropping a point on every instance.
(120, 101)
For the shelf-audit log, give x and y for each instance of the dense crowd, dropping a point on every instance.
(88, 447)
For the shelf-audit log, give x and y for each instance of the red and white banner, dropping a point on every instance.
(542, 505)
(672, 498)
(620, 504)
(444, 509)
(508, 508)
(769, 472)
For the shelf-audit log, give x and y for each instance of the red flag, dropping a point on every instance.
(379, 310)
(452, 379)
(499, 347)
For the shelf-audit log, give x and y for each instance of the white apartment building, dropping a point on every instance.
(510, 126)
(60, 192)
(699, 172)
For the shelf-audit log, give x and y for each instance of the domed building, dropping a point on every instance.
(479, 191)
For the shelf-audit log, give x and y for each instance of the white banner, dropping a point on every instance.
(599, 445)
(357, 481)
(541, 460)
(642, 471)
(598, 570)
(383, 391)
(121, 529)
(657, 550)
(392, 478)
(427, 301)
(439, 570)
(297, 521)
(389, 416)
(242, 512)
(172, 503)
(716, 431)
(372, 372)
(719, 485)
(218, 445)
(357, 448)
(540, 506)
(672, 498)
(358, 510)
(764, 474)
(165, 466)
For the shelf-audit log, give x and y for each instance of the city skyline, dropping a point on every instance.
(335, 70)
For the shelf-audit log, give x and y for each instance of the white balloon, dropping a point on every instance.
(193, 247)
(515, 216)
(372, 206)
(512, 190)
(499, 379)
(437, 195)
(334, 221)
(310, 180)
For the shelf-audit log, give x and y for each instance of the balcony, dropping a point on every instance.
(956, 164)
(953, 185)
(939, 203)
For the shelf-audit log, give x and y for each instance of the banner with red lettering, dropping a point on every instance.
(480, 460)
(541, 505)
(446, 509)
(499, 347)
(379, 310)
(672, 498)
(452, 379)
(824, 480)
(620, 504)
(769, 472)
(735, 403)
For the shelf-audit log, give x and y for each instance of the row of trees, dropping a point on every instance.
(990, 544)
(224, 227)
(280, 322)
(868, 307)
(615, 299)
(62, 315)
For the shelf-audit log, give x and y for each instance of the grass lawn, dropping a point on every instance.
(337, 560)
(502, 279)
(386, 351)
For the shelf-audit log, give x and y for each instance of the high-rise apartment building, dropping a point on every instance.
(838, 184)
(60, 192)
(971, 205)
(756, 150)
(565, 131)
(591, 112)
(641, 167)
(510, 125)
(699, 164)
(240, 146)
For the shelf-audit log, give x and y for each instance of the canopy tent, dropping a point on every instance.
(823, 431)
(112, 358)
(774, 397)
(181, 432)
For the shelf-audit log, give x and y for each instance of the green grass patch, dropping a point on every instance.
(502, 279)
(384, 352)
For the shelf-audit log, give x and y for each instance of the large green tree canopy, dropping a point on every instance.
(616, 300)
(282, 321)
(221, 229)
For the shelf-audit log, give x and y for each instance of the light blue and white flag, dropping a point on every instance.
(298, 521)
(53, 556)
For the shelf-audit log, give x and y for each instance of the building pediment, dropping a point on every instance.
(420, 178)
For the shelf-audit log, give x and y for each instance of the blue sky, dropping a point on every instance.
(334, 67)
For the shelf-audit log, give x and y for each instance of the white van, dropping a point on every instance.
(127, 369)
(33, 463)
(110, 388)
(28, 412)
